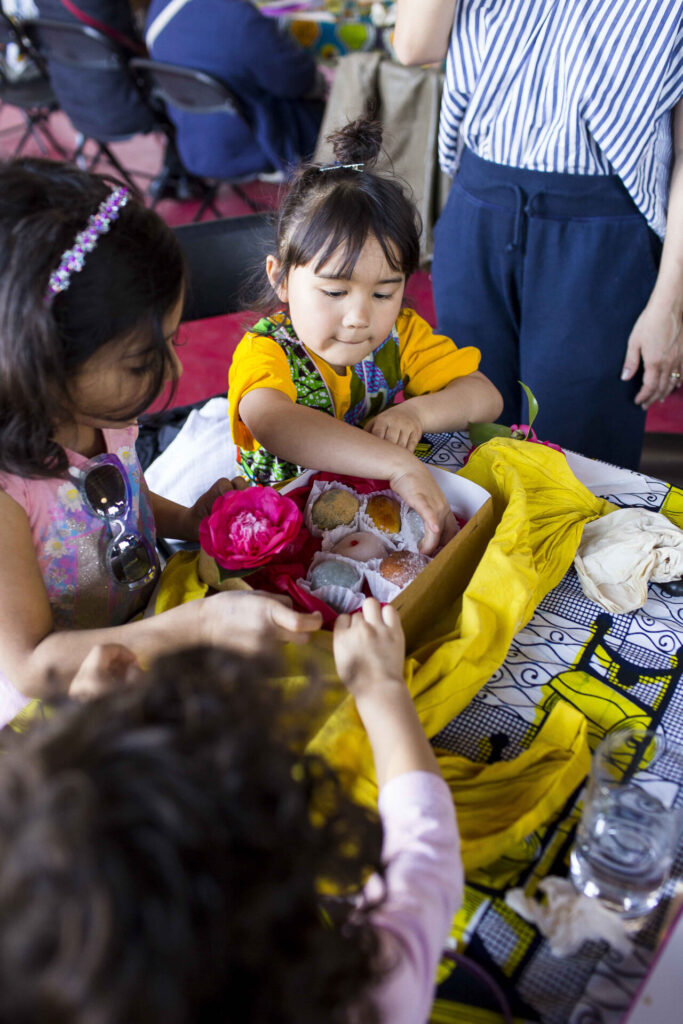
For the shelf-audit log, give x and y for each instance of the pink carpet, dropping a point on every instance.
(209, 344)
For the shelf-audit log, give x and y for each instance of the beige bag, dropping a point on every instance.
(407, 102)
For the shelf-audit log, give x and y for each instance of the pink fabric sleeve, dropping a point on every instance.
(424, 881)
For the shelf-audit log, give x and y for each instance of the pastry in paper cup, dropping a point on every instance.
(334, 516)
(341, 598)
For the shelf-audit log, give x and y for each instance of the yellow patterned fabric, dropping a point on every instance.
(540, 509)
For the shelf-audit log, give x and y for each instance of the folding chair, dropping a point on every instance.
(34, 97)
(77, 46)
(222, 256)
(196, 92)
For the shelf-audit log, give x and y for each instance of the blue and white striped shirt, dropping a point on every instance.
(578, 86)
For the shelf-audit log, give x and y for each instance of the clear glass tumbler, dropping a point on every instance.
(627, 836)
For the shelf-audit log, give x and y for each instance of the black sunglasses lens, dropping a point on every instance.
(130, 560)
(105, 489)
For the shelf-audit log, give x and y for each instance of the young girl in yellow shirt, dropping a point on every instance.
(302, 380)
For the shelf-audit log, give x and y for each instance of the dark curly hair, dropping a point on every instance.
(129, 283)
(162, 853)
(335, 208)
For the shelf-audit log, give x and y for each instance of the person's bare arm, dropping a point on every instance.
(174, 520)
(423, 29)
(316, 440)
(470, 399)
(657, 337)
(39, 660)
(369, 650)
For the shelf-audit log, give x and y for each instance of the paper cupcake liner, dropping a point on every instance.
(342, 599)
(318, 487)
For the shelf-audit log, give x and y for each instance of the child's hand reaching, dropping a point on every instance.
(173, 520)
(203, 505)
(418, 487)
(400, 424)
(369, 650)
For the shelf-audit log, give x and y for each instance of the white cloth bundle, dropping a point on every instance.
(622, 552)
(567, 918)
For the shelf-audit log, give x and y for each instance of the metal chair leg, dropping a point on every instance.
(43, 127)
(28, 132)
(103, 150)
(247, 199)
(208, 202)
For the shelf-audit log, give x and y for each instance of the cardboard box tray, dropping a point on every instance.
(442, 581)
(445, 578)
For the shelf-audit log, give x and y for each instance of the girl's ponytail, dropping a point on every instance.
(330, 210)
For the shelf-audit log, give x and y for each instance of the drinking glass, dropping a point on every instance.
(626, 839)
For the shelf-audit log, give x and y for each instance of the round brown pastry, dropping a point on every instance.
(361, 546)
(401, 567)
(384, 513)
(333, 508)
(332, 573)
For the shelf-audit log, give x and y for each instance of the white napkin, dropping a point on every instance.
(623, 551)
(568, 919)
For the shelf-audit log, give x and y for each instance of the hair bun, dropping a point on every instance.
(358, 142)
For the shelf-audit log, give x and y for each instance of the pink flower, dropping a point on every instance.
(247, 528)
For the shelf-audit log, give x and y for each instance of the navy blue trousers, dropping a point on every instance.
(546, 274)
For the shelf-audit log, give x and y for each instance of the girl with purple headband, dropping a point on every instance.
(91, 293)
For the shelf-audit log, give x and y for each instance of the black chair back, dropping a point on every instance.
(75, 45)
(188, 89)
(8, 32)
(222, 255)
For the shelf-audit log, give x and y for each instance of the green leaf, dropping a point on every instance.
(228, 574)
(533, 406)
(481, 432)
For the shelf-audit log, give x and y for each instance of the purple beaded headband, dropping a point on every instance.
(73, 259)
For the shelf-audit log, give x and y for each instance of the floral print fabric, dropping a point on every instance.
(71, 543)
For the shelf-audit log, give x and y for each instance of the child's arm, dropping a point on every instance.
(314, 439)
(41, 662)
(369, 650)
(423, 869)
(469, 399)
(178, 521)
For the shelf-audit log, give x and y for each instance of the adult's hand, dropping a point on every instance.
(107, 667)
(657, 341)
(247, 622)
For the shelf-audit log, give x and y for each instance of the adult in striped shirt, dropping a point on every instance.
(562, 122)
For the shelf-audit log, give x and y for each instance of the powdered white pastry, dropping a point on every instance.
(361, 546)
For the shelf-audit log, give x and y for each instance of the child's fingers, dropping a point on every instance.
(239, 483)
(283, 599)
(221, 486)
(391, 618)
(342, 624)
(287, 621)
(372, 611)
